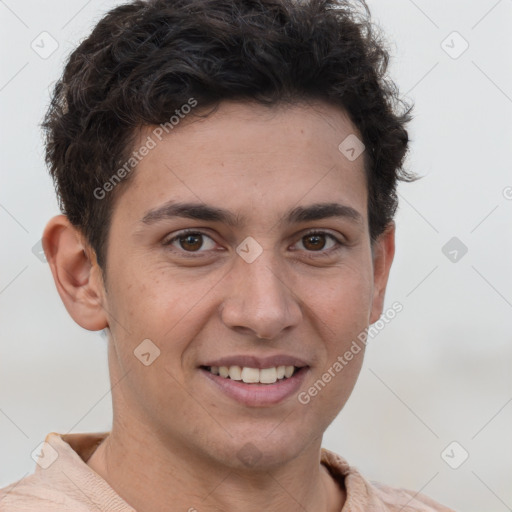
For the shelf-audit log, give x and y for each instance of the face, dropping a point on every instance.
(273, 267)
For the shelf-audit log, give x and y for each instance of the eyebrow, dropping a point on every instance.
(201, 211)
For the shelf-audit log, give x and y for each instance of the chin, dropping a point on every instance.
(261, 452)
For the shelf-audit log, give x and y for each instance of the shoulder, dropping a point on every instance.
(399, 499)
(61, 481)
(363, 494)
(29, 494)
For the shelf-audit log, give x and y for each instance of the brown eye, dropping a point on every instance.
(314, 242)
(318, 241)
(190, 242)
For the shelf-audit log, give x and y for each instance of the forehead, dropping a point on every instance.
(254, 161)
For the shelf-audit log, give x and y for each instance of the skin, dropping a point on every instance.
(176, 439)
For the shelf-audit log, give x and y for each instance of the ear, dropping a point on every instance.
(76, 273)
(383, 253)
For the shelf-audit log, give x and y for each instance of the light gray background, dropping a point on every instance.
(439, 372)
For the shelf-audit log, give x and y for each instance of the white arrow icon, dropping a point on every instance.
(351, 147)
(146, 352)
(249, 249)
(44, 455)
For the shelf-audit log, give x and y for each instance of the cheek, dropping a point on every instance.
(169, 310)
(144, 295)
(345, 298)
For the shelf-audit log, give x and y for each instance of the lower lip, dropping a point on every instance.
(259, 395)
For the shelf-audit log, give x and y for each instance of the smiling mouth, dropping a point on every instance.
(253, 375)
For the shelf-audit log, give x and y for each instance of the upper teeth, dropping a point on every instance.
(253, 375)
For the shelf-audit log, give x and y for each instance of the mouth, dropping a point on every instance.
(255, 387)
(250, 375)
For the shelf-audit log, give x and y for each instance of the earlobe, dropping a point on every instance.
(383, 253)
(76, 273)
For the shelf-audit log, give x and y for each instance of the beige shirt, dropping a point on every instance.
(68, 484)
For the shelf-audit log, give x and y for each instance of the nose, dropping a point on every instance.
(258, 299)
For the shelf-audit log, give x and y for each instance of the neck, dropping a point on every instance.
(152, 476)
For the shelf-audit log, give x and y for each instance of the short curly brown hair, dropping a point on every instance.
(145, 59)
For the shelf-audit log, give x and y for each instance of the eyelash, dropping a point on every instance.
(192, 254)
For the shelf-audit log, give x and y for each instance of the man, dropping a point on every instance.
(227, 173)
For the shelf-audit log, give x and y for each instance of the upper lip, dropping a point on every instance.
(251, 361)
